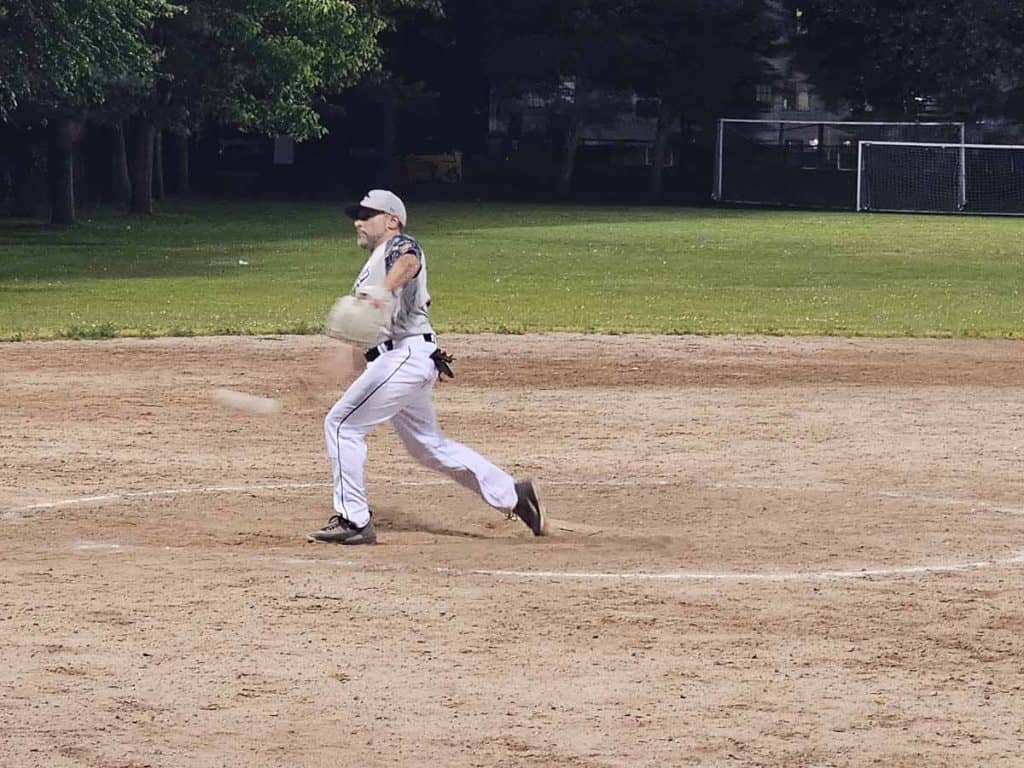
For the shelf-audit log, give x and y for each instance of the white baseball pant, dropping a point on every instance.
(398, 386)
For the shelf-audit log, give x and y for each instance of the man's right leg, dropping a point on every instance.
(420, 433)
(376, 396)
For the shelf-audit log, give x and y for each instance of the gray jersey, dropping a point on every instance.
(412, 302)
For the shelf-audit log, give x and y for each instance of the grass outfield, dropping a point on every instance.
(198, 268)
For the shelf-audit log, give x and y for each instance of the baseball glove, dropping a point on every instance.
(363, 318)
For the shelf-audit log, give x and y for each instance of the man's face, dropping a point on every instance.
(372, 227)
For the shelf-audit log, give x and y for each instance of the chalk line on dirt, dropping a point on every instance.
(837, 575)
(1015, 558)
(250, 488)
(669, 576)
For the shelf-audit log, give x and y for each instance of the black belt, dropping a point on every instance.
(386, 346)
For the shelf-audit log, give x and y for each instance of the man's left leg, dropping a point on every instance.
(376, 396)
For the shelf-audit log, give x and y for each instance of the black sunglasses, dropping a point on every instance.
(364, 214)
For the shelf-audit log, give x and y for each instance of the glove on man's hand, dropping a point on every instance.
(363, 318)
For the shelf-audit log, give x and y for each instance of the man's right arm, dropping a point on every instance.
(402, 271)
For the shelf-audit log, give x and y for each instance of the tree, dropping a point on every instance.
(259, 65)
(437, 58)
(559, 51)
(892, 57)
(61, 58)
(699, 57)
(66, 54)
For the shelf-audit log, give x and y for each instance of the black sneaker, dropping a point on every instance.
(528, 507)
(340, 531)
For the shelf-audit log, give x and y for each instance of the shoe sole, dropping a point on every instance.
(350, 541)
(539, 507)
(356, 540)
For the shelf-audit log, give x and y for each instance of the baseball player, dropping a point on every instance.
(397, 386)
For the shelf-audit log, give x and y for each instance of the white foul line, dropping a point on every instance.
(1015, 558)
(677, 576)
(129, 495)
(740, 577)
(862, 573)
(215, 489)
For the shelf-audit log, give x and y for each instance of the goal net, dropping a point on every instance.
(940, 177)
(803, 163)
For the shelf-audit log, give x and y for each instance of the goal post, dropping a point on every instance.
(804, 163)
(940, 177)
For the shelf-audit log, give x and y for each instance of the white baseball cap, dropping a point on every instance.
(379, 200)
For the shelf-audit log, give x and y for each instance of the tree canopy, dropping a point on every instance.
(893, 57)
(261, 64)
(67, 55)
(699, 55)
(258, 64)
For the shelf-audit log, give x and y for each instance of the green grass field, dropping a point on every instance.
(198, 268)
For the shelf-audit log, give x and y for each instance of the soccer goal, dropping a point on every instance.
(807, 164)
(940, 177)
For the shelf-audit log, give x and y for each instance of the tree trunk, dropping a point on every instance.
(120, 181)
(568, 165)
(142, 165)
(81, 176)
(662, 135)
(573, 129)
(30, 193)
(387, 144)
(37, 193)
(181, 178)
(6, 189)
(62, 172)
(158, 164)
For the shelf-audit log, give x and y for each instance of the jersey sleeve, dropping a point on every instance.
(400, 245)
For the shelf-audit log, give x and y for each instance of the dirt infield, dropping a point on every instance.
(765, 552)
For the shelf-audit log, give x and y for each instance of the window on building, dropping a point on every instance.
(763, 96)
(567, 89)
